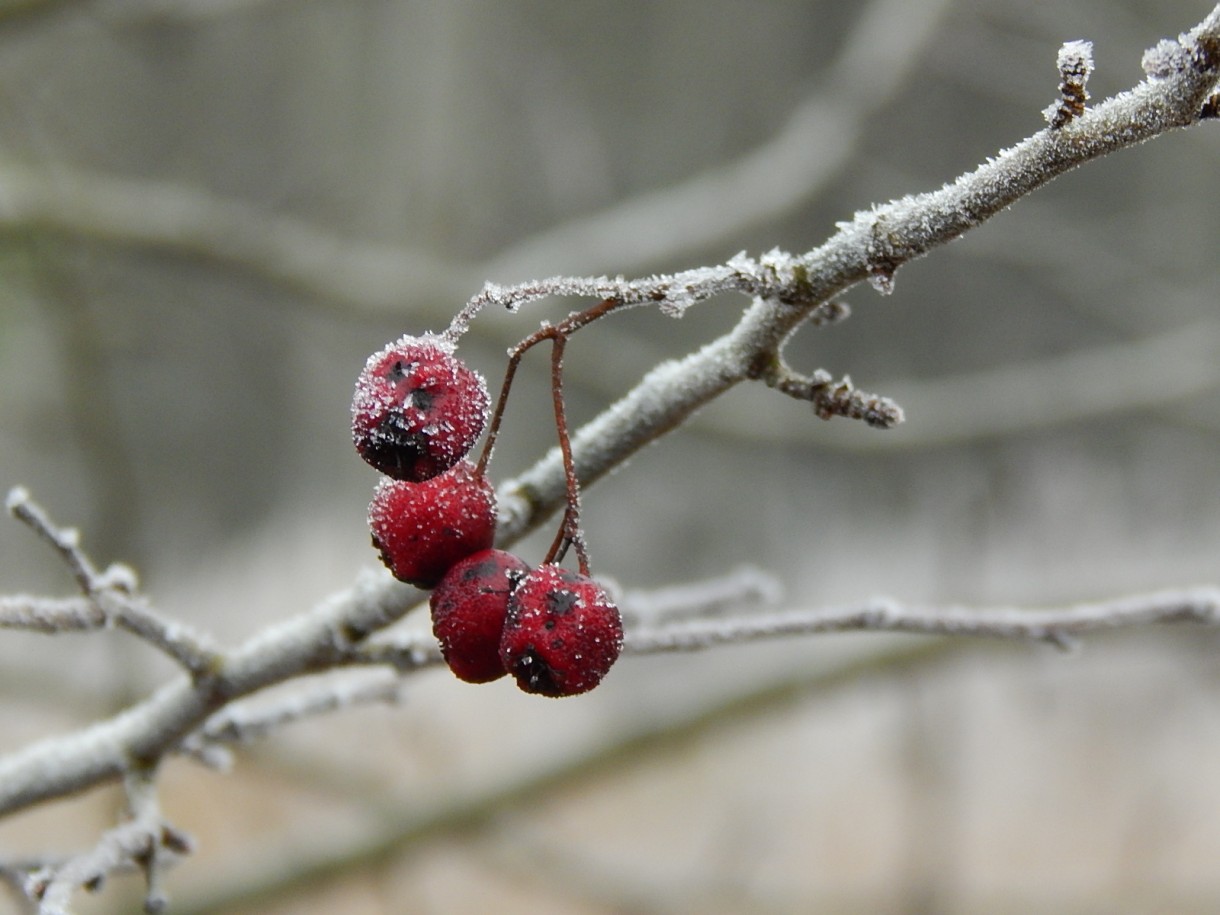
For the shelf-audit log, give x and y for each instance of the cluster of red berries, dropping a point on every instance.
(417, 413)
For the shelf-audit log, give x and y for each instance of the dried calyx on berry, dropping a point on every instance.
(468, 610)
(423, 529)
(418, 409)
(562, 632)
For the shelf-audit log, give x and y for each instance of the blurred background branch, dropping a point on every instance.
(211, 212)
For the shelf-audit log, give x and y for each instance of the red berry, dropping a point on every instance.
(418, 409)
(424, 528)
(562, 633)
(468, 608)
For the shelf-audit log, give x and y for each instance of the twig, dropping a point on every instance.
(412, 831)
(1091, 383)
(404, 653)
(786, 291)
(243, 722)
(145, 841)
(871, 247)
(833, 398)
(313, 642)
(1059, 627)
(113, 594)
(50, 615)
(736, 592)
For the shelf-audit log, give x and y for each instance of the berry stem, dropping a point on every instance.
(570, 533)
(565, 328)
(493, 428)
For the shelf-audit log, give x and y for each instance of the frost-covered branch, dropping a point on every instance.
(742, 590)
(1148, 373)
(144, 842)
(785, 290)
(1059, 626)
(320, 640)
(50, 614)
(244, 722)
(111, 594)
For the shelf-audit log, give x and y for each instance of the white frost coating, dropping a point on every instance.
(677, 300)
(17, 496)
(1075, 65)
(119, 576)
(1076, 57)
(744, 590)
(1166, 58)
(741, 262)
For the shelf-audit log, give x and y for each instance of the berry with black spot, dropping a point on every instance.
(468, 610)
(422, 529)
(562, 633)
(418, 409)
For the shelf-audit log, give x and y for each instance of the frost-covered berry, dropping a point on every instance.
(562, 633)
(468, 608)
(417, 409)
(422, 529)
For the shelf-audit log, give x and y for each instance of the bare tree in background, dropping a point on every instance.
(347, 651)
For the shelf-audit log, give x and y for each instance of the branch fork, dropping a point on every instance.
(196, 712)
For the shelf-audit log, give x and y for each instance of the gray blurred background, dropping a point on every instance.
(212, 211)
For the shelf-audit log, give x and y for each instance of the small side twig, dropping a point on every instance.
(833, 398)
(112, 593)
(145, 842)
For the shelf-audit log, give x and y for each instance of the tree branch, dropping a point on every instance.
(786, 291)
(872, 246)
(1059, 626)
(112, 595)
(411, 830)
(144, 841)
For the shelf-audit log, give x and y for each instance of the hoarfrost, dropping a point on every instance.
(677, 300)
(741, 263)
(1165, 59)
(120, 577)
(17, 497)
(1076, 58)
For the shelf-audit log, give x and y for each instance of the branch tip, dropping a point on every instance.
(832, 398)
(17, 497)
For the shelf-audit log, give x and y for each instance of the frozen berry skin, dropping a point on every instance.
(468, 609)
(422, 529)
(562, 633)
(418, 409)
